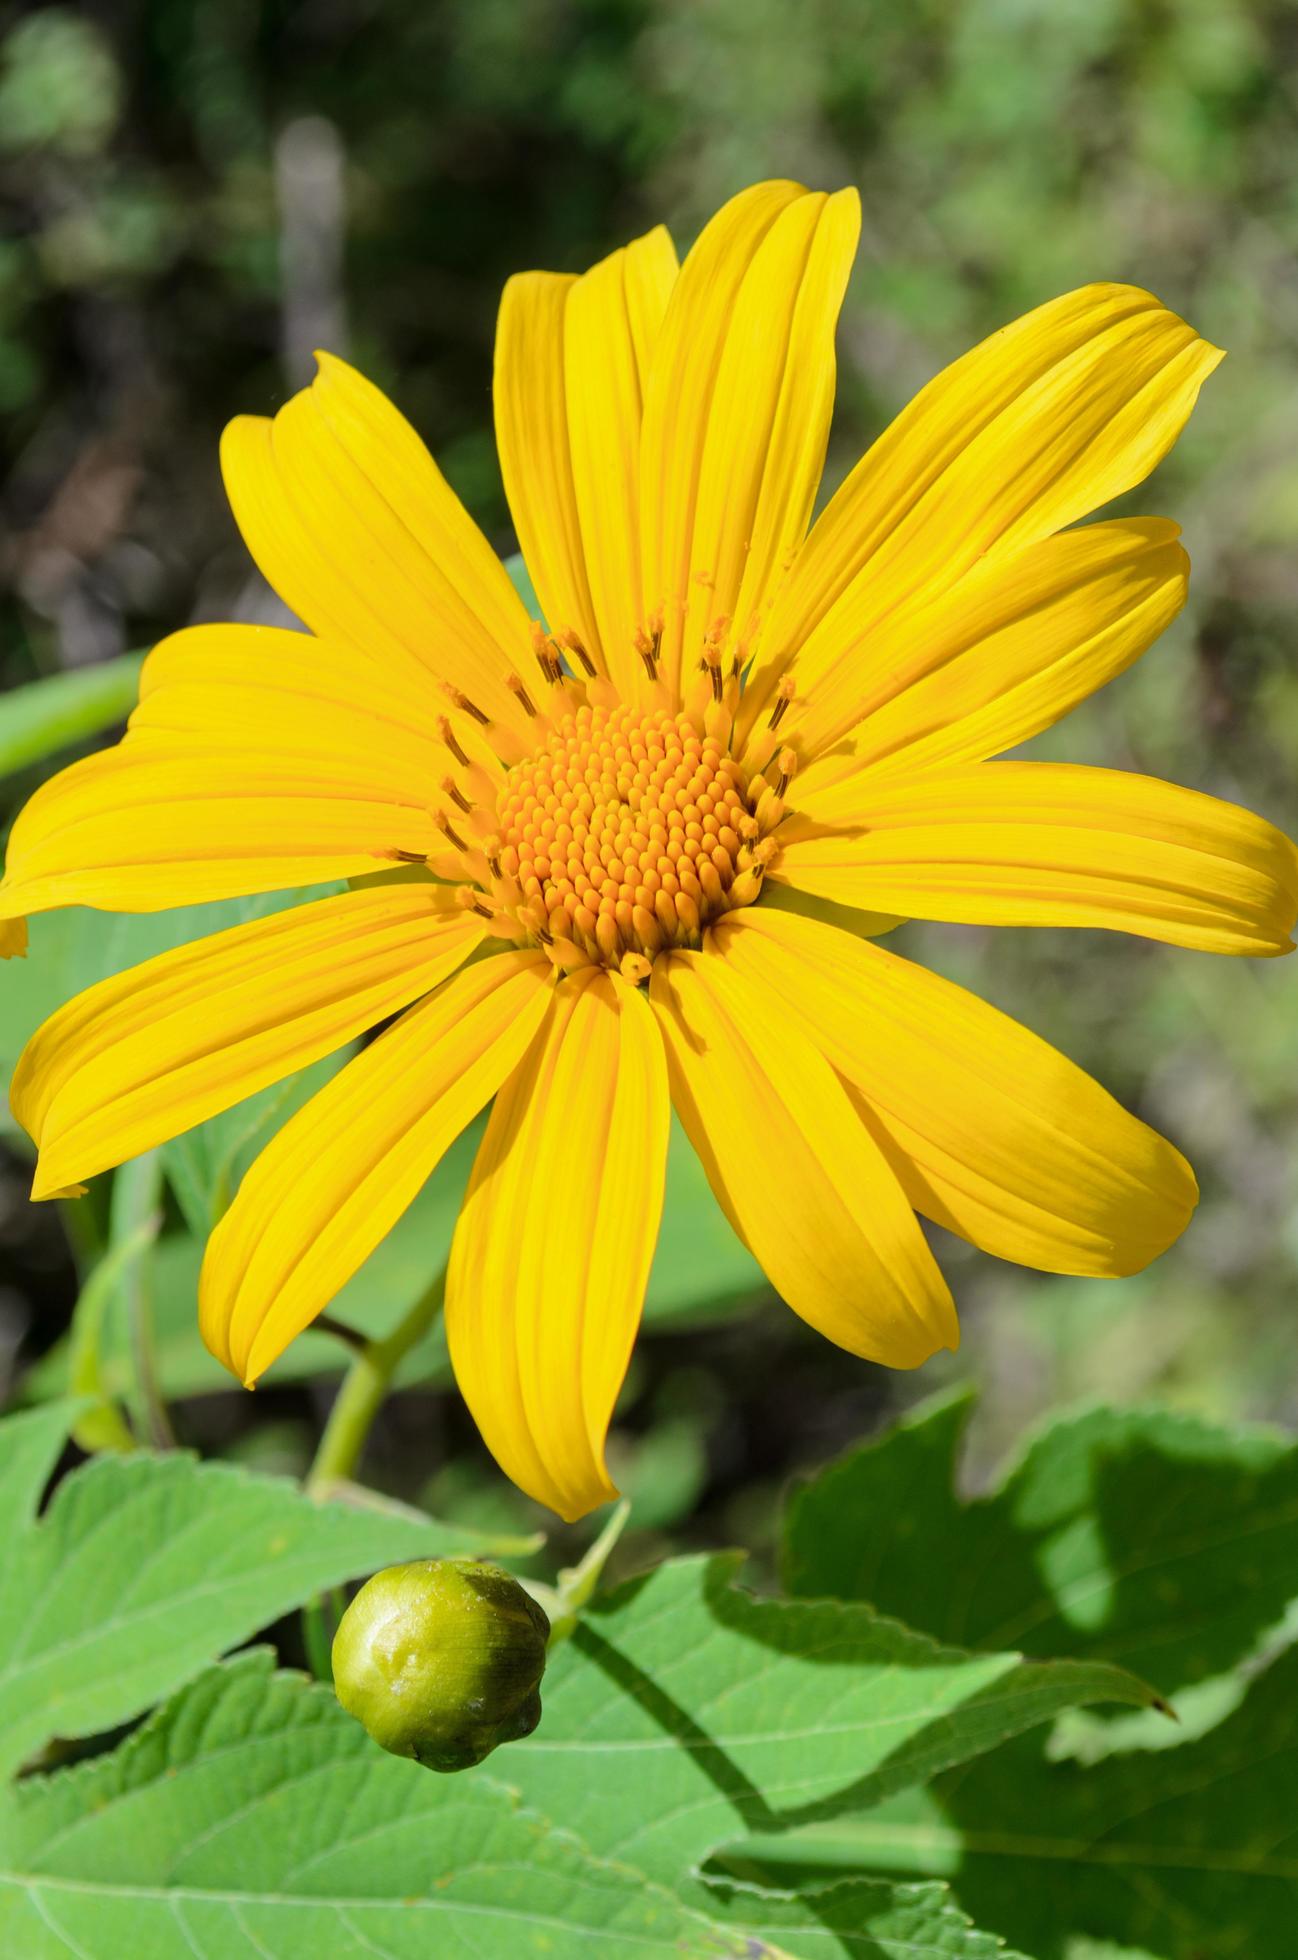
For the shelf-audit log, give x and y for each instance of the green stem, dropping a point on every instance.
(365, 1386)
(576, 1583)
(102, 1427)
(137, 1198)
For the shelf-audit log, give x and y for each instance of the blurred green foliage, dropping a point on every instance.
(190, 188)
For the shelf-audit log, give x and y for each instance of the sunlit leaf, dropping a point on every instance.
(251, 1817)
(1181, 1854)
(684, 1713)
(860, 1919)
(144, 1568)
(1140, 1536)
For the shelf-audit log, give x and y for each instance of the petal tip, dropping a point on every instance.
(46, 1187)
(13, 939)
(572, 1508)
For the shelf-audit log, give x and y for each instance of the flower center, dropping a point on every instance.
(625, 827)
(625, 832)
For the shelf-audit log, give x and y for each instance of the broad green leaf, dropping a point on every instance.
(144, 1568)
(48, 715)
(860, 1919)
(30, 1445)
(1136, 1536)
(252, 1818)
(1183, 1854)
(684, 1713)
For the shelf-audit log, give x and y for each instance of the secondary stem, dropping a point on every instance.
(137, 1196)
(365, 1385)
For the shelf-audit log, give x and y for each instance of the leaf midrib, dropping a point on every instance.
(169, 1896)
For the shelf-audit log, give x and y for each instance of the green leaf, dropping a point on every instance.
(684, 1712)
(1136, 1536)
(143, 1568)
(1133, 1535)
(48, 715)
(861, 1919)
(30, 1446)
(1182, 1854)
(252, 1817)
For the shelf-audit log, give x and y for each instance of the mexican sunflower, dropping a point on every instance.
(654, 841)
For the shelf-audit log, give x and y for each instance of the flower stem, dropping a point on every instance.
(137, 1199)
(365, 1386)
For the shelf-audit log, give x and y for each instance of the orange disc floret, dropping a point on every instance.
(625, 828)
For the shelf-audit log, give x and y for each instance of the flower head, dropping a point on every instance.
(640, 817)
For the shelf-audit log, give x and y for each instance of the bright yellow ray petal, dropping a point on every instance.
(552, 1251)
(794, 1167)
(263, 689)
(1010, 650)
(150, 1052)
(572, 356)
(335, 1180)
(1044, 422)
(768, 424)
(356, 528)
(1047, 844)
(993, 1133)
(611, 326)
(155, 823)
(283, 661)
(535, 454)
(736, 407)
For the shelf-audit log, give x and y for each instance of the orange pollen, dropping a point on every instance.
(620, 835)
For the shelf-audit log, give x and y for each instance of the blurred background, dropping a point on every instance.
(194, 193)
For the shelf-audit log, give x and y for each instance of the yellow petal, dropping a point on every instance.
(611, 325)
(993, 1133)
(794, 1167)
(13, 939)
(535, 455)
(158, 822)
(1046, 844)
(262, 690)
(354, 525)
(195, 667)
(1044, 422)
(1011, 649)
(335, 1180)
(572, 356)
(552, 1251)
(737, 409)
(150, 1052)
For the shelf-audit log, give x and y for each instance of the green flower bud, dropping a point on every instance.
(442, 1660)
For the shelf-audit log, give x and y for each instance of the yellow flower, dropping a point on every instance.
(733, 731)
